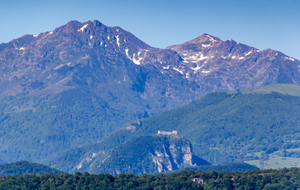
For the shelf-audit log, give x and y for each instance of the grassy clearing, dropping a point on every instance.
(289, 89)
(276, 161)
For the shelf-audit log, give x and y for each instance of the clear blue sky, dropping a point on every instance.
(263, 24)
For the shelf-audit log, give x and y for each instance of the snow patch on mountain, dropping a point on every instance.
(178, 70)
(133, 59)
(205, 45)
(196, 68)
(289, 58)
(59, 66)
(166, 67)
(126, 51)
(205, 71)
(136, 61)
(187, 75)
(118, 43)
(246, 54)
(194, 58)
(211, 38)
(82, 28)
(237, 57)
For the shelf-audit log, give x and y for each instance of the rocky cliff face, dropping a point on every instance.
(145, 154)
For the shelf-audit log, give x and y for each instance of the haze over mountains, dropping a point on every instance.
(78, 83)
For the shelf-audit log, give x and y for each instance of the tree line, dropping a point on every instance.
(256, 179)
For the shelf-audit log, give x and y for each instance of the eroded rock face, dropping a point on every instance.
(145, 154)
(173, 155)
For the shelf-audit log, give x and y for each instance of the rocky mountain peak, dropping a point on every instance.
(91, 25)
(203, 41)
(96, 23)
(75, 25)
(70, 27)
(205, 38)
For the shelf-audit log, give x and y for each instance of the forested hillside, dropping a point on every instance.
(259, 125)
(24, 167)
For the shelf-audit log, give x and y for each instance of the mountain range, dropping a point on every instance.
(77, 84)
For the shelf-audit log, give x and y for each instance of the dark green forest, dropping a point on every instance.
(257, 179)
(24, 167)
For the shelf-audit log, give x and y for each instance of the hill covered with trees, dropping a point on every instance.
(24, 167)
(258, 125)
